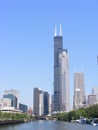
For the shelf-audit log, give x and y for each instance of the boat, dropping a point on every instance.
(81, 120)
(94, 122)
(54, 119)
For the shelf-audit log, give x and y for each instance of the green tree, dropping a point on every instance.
(92, 111)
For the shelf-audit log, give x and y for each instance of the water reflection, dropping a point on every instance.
(48, 125)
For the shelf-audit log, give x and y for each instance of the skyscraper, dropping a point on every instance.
(79, 91)
(64, 81)
(41, 102)
(91, 99)
(46, 103)
(12, 94)
(38, 101)
(61, 75)
(95, 92)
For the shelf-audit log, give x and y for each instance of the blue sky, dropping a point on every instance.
(26, 43)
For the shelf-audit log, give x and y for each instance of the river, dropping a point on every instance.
(48, 125)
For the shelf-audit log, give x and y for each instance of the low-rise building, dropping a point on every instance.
(5, 102)
(23, 107)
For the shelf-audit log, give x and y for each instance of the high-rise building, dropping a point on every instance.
(46, 103)
(95, 92)
(52, 103)
(91, 99)
(64, 81)
(13, 99)
(79, 91)
(37, 101)
(42, 104)
(13, 92)
(61, 75)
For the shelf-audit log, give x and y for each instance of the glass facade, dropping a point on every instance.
(61, 76)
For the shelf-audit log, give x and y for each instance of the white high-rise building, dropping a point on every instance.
(64, 81)
(79, 91)
(95, 92)
(41, 104)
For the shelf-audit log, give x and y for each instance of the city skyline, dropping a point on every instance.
(26, 43)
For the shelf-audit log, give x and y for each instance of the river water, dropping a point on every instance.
(49, 125)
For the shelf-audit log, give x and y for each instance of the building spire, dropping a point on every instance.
(55, 31)
(60, 30)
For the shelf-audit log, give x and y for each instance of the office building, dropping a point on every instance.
(41, 103)
(95, 92)
(13, 92)
(52, 103)
(37, 101)
(46, 103)
(5, 102)
(91, 99)
(13, 99)
(79, 100)
(23, 107)
(61, 75)
(64, 81)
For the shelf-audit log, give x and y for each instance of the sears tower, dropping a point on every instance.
(61, 74)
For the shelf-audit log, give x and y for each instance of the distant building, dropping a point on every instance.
(30, 112)
(5, 102)
(79, 100)
(91, 99)
(52, 103)
(95, 92)
(41, 103)
(36, 101)
(46, 103)
(10, 110)
(23, 107)
(15, 93)
(64, 81)
(13, 99)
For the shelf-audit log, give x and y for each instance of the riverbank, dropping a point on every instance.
(11, 122)
(12, 118)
